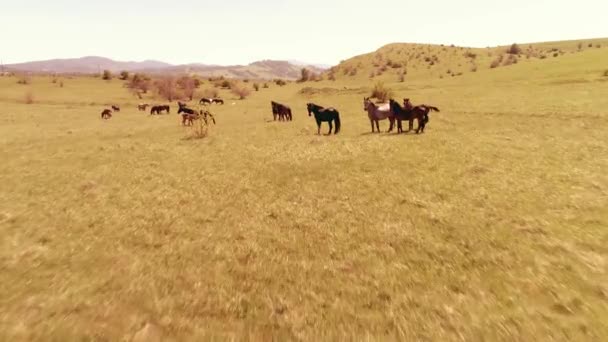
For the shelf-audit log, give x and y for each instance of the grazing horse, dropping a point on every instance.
(205, 101)
(190, 115)
(142, 106)
(116, 108)
(282, 111)
(324, 114)
(106, 114)
(377, 113)
(217, 100)
(159, 109)
(402, 114)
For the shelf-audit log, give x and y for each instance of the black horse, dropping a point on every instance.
(205, 101)
(324, 114)
(282, 111)
(106, 114)
(116, 108)
(218, 100)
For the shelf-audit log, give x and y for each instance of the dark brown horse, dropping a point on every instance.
(142, 107)
(282, 111)
(160, 109)
(426, 108)
(403, 114)
(116, 108)
(106, 114)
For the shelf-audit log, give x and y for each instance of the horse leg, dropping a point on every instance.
(378, 126)
(411, 124)
(330, 127)
(372, 123)
(318, 127)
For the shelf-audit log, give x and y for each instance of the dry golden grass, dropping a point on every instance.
(490, 226)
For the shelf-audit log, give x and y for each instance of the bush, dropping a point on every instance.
(606, 73)
(495, 64)
(210, 93)
(241, 91)
(107, 75)
(381, 92)
(226, 84)
(590, 45)
(305, 75)
(555, 54)
(139, 84)
(29, 97)
(353, 72)
(61, 84)
(124, 75)
(24, 80)
(265, 86)
(401, 77)
(514, 49)
(256, 87)
(280, 82)
(474, 68)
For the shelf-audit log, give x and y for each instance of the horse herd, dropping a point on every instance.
(393, 111)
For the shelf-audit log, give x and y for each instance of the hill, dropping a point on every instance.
(267, 69)
(404, 61)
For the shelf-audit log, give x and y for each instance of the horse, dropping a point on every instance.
(205, 101)
(426, 108)
(160, 109)
(377, 113)
(324, 114)
(217, 100)
(282, 111)
(116, 108)
(190, 115)
(402, 114)
(106, 114)
(142, 106)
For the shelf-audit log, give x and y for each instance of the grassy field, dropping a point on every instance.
(490, 226)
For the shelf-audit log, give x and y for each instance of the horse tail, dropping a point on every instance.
(337, 123)
(434, 109)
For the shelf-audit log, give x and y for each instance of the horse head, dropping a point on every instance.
(309, 107)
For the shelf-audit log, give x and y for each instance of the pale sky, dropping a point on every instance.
(315, 31)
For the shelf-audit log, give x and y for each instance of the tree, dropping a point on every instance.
(107, 75)
(188, 85)
(124, 75)
(305, 75)
(139, 84)
(166, 87)
(514, 49)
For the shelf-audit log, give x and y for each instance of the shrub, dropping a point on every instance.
(241, 91)
(107, 75)
(495, 64)
(555, 54)
(514, 49)
(606, 73)
(580, 46)
(474, 68)
(124, 75)
(470, 55)
(331, 76)
(543, 56)
(280, 82)
(265, 86)
(29, 97)
(226, 84)
(381, 92)
(256, 87)
(24, 80)
(54, 80)
(401, 77)
(590, 45)
(61, 84)
(598, 46)
(353, 72)
(210, 93)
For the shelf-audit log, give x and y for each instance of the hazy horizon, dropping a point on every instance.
(316, 32)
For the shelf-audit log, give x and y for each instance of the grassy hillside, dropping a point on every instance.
(400, 61)
(490, 226)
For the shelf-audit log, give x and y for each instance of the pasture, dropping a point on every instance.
(489, 226)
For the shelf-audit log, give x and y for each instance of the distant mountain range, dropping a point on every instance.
(267, 69)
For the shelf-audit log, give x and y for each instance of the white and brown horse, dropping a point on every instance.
(377, 113)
